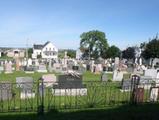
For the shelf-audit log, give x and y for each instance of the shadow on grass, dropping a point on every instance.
(127, 112)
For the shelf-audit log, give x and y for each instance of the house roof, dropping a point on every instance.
(46, 43)
(38, 47)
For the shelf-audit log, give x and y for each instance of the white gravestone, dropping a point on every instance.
(42, 68)
(154, 94)
(117, 75)
(151, 72)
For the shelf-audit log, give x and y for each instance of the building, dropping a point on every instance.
(46, 51)
(15, 53)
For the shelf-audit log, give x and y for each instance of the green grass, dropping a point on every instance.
(126, 112)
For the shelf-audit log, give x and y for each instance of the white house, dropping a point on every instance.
(46, 51)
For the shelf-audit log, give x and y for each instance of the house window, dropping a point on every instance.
(46, 49)
(50, 54)
(50, 49)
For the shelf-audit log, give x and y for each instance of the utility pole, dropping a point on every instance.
(26, 50)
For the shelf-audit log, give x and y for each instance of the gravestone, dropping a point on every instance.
(56, 65)
(75, 68)
(151, 72)
(69, 85)
(5, 91)
(29, 69)
(49, 80)
(29, 63)
(26, 85)
(154, 94)
(42, 68)
(1, 69)
(116, 63)
(8, 68)
(104, 77)
(105, 68)
(126, 85)
(146, 82)
(50, 66)
(117, 75)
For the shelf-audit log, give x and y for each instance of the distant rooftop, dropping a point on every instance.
(39, 46)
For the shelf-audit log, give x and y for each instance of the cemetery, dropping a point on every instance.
(70, 83)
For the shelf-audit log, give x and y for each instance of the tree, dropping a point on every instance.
(93, 44)
(151, 49)
(113, 52)
(129, 53)
(30, 51)
(71, 53)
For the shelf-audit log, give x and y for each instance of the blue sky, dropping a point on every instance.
(125, 22)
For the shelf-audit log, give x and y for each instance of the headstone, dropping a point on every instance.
(146, 81)
(29, 62)
(104, 77)
(29, 69)
(1, 68)
(5, 91)
(50, 66)
(69, 85)
(8, 68)
(117, 75)
(154, 94)
(42, 68)
(49, 80)
(75, 68)
(116, 63)
(26, 85)
(151, 72)
(126, 85)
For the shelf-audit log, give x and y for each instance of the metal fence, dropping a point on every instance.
(38, 97)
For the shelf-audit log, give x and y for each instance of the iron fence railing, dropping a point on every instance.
(39, 97)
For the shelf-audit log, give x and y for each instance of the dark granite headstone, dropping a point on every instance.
(126, 85)
(110, 69)
(69, 82)
(88, 67)
(104, 69)
(75, 67)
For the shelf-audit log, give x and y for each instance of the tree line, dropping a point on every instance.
(93, 44)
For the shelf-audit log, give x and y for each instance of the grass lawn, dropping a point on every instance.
(126, 112)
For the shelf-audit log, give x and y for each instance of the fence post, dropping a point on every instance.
(41, 94)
